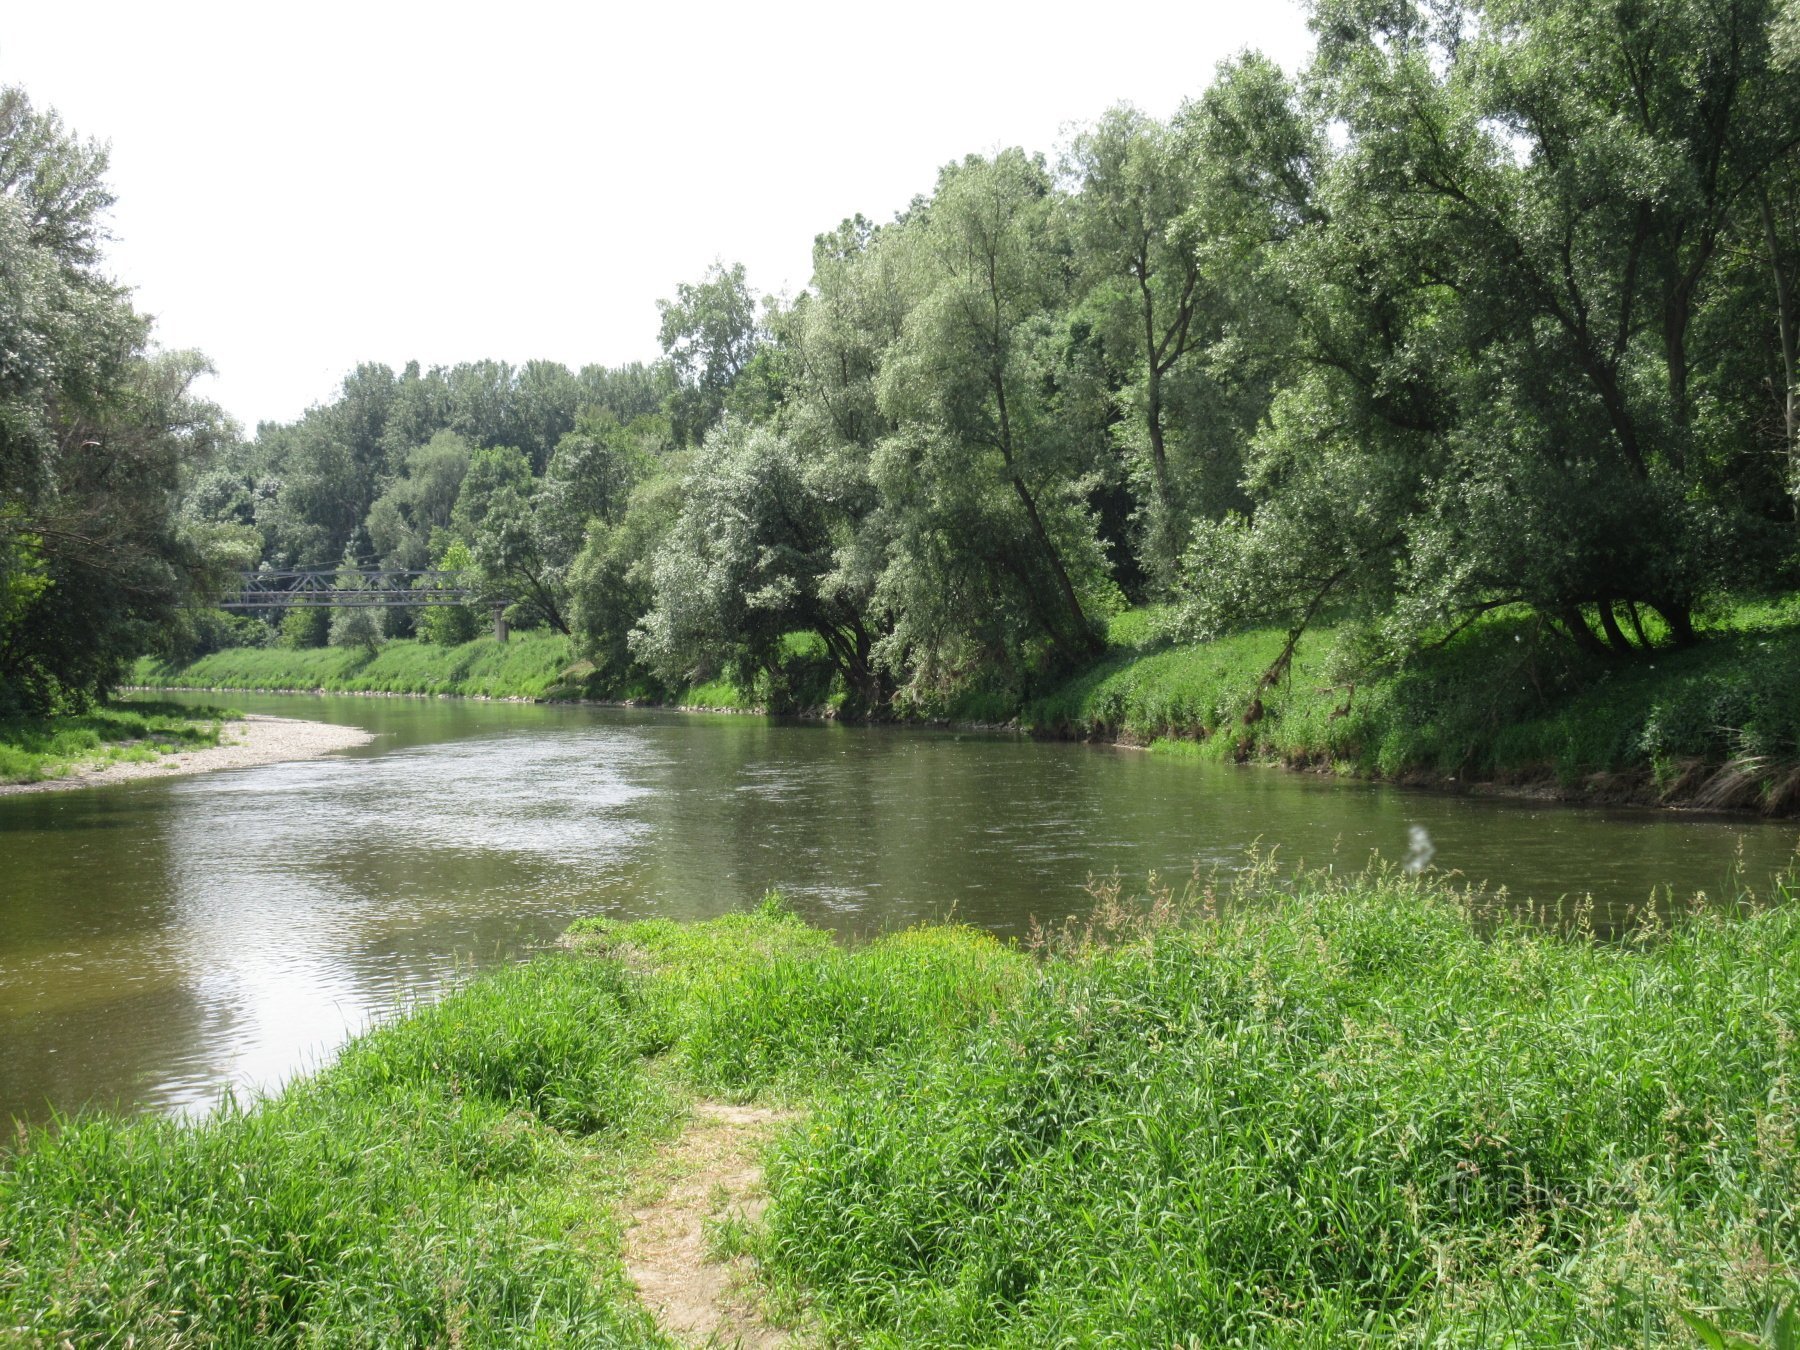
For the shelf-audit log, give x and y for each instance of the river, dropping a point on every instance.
(164, 942)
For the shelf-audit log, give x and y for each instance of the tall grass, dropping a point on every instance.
(1717, 724)
(1301, 1112)
(1340, 1116)
(33, 749)
(427, 1190)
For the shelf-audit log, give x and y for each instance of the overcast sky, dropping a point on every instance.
(305, 187)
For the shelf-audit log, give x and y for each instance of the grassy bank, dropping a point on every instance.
(1715, 725)
(33, 749)
(531, 665)
(1305, 1115)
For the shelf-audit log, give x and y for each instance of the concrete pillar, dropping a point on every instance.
(501, 631)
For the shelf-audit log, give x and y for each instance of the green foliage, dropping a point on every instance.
(710, 333)
(304, 627)
(1513, 384)
(36, 748)
(98, 433)
(449, 625)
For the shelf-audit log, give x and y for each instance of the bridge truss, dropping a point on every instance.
(338, 588)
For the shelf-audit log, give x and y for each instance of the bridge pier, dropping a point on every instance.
(501, 631)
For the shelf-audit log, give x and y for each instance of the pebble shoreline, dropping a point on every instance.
(255, 740)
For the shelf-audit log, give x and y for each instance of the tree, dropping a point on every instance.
(97, 436)
(354, 625)
(749, 560)
(1137, 229)
(495, 516)
(611, 583)
(710, 333)
(449, 625)
(1501, 281)
(414, 506)
(972, 380)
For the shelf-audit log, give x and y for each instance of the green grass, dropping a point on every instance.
(1305, 1111)
(1340, 1116)
(34, 749)
(434, 1187)
(531, 665)
(1717, 724)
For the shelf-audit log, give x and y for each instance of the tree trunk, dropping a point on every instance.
(1681, 623)
(1609, 624)
(1087, 642)
(1159, 459)
(1784, 317)
(1583, 636)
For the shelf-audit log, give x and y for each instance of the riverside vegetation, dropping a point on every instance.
(1482, 311)
(33, 749)
(1303, 1111)
(1714, 725)
(1464, 360)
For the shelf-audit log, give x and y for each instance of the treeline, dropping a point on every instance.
(1491, 307)
(99, 436)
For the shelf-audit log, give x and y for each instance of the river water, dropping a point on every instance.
(163, 942)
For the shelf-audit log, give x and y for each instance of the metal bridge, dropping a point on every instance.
(341, 588)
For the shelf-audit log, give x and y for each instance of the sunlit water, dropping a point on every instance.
(163, 942)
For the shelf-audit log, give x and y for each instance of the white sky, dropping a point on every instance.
(304, 187)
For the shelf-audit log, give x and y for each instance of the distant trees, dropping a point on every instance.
(1492, 305)
(710, 334)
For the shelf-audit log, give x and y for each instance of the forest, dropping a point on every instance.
(1489, 311)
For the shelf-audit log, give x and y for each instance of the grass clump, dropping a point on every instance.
(34, 749)
(1340, 1115)
(758, 1002)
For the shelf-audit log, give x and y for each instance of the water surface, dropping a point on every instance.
(161, 942)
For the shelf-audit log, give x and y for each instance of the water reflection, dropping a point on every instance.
(161, 942)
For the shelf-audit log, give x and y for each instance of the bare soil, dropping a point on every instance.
(709, 1176)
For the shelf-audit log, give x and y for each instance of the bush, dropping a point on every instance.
(304, 627)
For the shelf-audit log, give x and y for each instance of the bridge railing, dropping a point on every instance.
(337, 589)
(374, 588)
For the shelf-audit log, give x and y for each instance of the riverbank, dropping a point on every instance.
(1715, 726)
(1300, 1111)
(530, 666)
(61, 748)
(240, 744)
(538, 667)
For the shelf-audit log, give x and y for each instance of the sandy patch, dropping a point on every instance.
(255, 740)
(710, 1175)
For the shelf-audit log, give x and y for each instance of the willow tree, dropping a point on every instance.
(1508, 381)
(987, 478)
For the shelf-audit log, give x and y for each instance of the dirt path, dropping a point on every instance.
(710, 1175)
